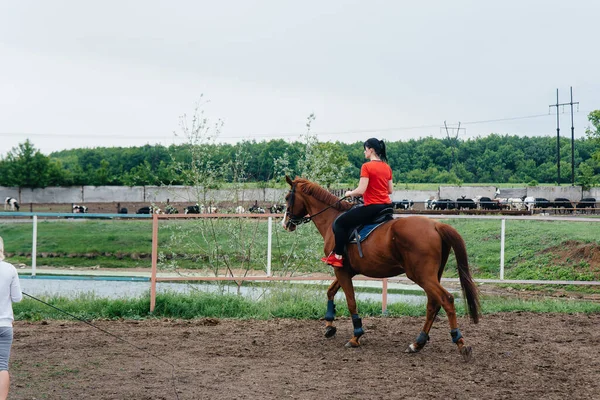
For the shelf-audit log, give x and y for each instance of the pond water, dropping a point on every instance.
(114, 288)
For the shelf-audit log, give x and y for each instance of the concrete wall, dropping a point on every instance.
(572, 193)
(157, 194)
(73, 194)
(9, 192)
(190, 194)
(107, 194)
(511, 193)
(593, 192)
(470, 192)
(418, 196)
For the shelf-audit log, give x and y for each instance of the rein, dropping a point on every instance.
(294, 219)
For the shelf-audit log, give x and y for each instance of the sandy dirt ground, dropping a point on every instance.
(516, 356)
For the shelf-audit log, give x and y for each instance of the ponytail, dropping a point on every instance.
(378, 146)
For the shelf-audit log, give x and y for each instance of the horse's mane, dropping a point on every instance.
(316, 191)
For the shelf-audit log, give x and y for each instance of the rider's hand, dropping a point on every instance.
(348, 193)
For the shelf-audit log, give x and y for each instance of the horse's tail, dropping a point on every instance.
(452, 237)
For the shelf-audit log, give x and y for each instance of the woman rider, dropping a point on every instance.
(375, 186)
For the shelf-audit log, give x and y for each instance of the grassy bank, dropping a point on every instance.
(297, 303)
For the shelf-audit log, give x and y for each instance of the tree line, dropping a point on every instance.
(491, 159)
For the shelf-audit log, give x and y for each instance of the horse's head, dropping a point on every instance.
(307, 200)
(295, 211)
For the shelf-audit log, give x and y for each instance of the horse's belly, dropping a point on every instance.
(381, 272)
(375, 267)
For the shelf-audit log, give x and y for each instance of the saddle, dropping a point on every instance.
(361, 232)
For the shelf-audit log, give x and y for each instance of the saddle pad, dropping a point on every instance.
(366, 231)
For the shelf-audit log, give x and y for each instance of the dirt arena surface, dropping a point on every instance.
(516, 356)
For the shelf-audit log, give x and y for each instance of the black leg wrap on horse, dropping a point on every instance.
(357, 323)
(456, 335)
(330, 314)
(422, 339)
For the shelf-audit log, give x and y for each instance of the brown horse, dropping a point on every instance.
(416, 246)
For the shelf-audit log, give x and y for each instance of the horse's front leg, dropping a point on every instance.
(330, 330)
(345, 281)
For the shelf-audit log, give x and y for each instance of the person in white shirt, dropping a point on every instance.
(10, 291)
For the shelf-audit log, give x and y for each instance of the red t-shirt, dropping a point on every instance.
(379, 174)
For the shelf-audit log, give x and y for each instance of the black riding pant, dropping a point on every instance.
(357, 215)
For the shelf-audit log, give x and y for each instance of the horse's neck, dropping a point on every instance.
(323, 220)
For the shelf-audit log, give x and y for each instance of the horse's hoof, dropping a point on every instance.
(467, 353)
(330, 331)
(352, 343)
(412, 349)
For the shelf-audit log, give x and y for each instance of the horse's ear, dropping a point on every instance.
(289, 180)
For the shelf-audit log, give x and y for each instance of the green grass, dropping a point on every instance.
(526, 243)
(294, 302)
(216, 245)
(79, 236)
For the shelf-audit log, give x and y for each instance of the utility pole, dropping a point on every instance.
(451, 142)
(558, 138)
(573, 140)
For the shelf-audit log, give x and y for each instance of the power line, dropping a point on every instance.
(269, 135)
(505, 119)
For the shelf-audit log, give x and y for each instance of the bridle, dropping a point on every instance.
(297, 220)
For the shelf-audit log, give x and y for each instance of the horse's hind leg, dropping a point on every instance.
(447, 301)
(438, 296)
(330, 330)
(433, 307)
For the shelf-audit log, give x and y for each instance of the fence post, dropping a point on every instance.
(154, 261)
(384, 290)
(34, 246)
(502, 235)
(269, 242)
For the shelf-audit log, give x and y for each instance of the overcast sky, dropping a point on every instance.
(120, 73)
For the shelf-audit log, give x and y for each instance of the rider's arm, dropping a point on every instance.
(390, 187)
(362, 186)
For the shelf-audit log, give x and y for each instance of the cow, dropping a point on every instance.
(192, 209)
(255, 209)
(404, 204)
(503, 203)
(444, 204)
(465, 204)
(487, 203)
(149, 210)
(529, 202)
(240, 210)
(169, 209)
(565, 204)
(12, 204)
(516, 203)
(428, 203)
(277, 209)
(587, 202)
(77, 209)
(541, 202)
(208, 210)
